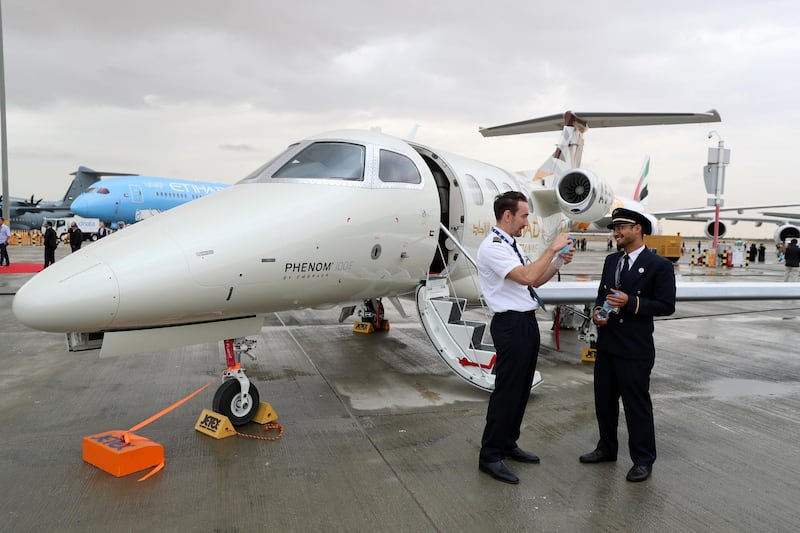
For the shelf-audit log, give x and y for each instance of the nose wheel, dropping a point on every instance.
(238, 406)
(236, 398)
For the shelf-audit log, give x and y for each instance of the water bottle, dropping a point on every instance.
(607, 309)
(566, 248)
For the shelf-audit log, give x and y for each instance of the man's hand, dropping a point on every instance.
(561, 240)
(617, 299)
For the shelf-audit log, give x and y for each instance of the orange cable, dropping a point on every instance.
(158, 415)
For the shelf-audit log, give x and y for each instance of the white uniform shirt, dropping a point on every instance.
(496, 258)
(5, 234)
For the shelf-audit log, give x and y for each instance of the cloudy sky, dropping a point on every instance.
(209, 90)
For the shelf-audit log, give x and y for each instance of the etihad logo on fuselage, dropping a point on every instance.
(184, 188)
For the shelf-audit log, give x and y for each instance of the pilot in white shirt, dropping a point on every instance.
(507, 279)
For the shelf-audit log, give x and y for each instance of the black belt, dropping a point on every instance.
(531, 312)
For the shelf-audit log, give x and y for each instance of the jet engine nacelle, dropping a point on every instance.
(786, 232)
(709, 229)
(583, 196)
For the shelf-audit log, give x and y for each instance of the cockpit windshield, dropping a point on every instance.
(326, 160)
(329, 160)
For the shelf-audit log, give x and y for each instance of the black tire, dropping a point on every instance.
(227, 401)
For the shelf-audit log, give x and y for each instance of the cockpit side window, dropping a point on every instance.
(326, 160)
(397, 168)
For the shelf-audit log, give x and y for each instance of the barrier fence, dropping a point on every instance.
(26, 238)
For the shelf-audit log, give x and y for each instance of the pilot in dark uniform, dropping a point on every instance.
(641, 285)
(507, 279)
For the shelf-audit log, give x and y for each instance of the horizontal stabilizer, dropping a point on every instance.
(148, 340)
(599, 120)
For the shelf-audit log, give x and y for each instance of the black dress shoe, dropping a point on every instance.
(639, 473)
(520, 455)
(597, 456)
(498, 471)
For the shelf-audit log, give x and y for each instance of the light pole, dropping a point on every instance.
(3, 141)
(715, 179)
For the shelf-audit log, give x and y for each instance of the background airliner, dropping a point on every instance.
(789, 224)
(131, 198)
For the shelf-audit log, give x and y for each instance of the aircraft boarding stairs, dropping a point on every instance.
(459, 342)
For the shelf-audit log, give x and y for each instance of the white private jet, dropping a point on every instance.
(336, 219)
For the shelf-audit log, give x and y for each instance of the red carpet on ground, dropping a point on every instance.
(21, 268)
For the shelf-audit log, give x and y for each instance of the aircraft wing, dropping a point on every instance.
(692, 211)
(598, 120)
(581, 292)
(734, 219)
(783, 216)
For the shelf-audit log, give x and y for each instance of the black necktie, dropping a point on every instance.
(535, 296)
(622, 268)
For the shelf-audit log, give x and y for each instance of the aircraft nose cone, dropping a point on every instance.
(79, 205)
(76, 294)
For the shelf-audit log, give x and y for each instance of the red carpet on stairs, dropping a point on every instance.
(21, 268)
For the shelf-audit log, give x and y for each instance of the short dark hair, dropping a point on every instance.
(508, 201)
(794, 241)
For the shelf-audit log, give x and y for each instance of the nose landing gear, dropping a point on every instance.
(237, 398)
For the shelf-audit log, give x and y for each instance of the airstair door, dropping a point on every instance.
(459, 342)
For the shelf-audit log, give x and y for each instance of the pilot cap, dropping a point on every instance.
(629, 216)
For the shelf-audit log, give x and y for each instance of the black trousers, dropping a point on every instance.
(516, 342)
(629, 379)
(49, 256)
(4, 254)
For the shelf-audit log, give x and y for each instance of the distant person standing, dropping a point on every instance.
(5, 235)
(103, 231)
(792, 257)
(50, 244)
(75, 237)
(753, 252)
(762, 253)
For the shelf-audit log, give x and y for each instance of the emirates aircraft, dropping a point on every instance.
(345, 218)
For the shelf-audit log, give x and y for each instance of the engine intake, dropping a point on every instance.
(582, 196)
(709, 229)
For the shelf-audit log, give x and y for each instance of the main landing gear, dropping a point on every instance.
(237, 398)
(372, 317)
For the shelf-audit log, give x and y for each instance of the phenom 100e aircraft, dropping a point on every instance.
(345, 218)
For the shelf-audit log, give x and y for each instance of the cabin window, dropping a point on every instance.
(397, 168)
(326, 160)
(506, 187)
(492, 188)
(474, 189)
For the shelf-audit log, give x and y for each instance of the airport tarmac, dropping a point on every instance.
(379, 435)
